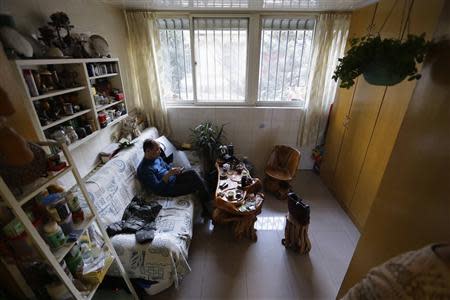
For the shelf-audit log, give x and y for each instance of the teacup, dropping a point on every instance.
(226, 167)
(230, 195)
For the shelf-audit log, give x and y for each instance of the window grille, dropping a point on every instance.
(175, 57)
(285, 57)
(221, 59)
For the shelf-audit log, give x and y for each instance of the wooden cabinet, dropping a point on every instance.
(366, 119)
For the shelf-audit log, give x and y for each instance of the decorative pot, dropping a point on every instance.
(16, 177)
(380, 73)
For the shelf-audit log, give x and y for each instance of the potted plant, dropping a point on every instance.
(381, 61)
(207, 138)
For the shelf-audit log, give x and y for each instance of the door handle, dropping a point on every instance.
(346, 121)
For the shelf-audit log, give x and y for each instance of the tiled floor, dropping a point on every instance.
(224, 268)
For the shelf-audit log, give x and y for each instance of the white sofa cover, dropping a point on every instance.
(164, 260)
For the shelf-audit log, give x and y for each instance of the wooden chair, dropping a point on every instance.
(281, 169)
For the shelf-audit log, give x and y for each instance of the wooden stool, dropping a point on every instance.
(277, 187)
(296, 236)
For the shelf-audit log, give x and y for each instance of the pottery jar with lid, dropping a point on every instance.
(54, 235)
(60, 136)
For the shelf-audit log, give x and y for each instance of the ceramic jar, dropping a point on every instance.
(60, 136)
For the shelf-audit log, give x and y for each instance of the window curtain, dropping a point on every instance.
(143, 44)
(329, 45)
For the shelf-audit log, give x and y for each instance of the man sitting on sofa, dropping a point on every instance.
(160, 178)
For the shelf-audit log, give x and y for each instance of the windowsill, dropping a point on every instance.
(233, 106)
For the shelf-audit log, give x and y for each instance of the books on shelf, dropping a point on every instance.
(29, 79)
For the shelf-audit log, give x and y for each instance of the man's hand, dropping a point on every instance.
(175, 171)
(172, 171)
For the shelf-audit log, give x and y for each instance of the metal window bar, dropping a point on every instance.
(260, 64)
(280, 29)
(285, 57)
(270, 59)
(278, 60)
(184, 65)
(301, 58)
(231, 60)
(238, 46)
(215, 69)
(223, 84)
(295, 48)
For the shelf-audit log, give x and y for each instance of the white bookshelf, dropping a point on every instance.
(83, 91)
(53, 258)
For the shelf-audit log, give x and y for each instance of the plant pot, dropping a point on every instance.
(379, 73)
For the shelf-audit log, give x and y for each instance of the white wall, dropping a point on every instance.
(88, 17)
(253, 130)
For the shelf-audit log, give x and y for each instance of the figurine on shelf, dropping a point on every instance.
(44, 119)
(68, 79)
(71, 134)
(47, 83)
(47, 110)
(55, 164)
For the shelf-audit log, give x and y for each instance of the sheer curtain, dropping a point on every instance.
(329, 45)
(143, 44)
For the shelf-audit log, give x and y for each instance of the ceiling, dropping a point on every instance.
(244, 5)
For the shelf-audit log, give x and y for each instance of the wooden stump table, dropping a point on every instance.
(296, 236)
(235, 204)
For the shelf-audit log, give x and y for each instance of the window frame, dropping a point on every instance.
(252, 63)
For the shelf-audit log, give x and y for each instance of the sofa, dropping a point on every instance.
(164, 260)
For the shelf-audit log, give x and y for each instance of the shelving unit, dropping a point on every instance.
(103, 76)
(84, 97)
(65, 119)
(103, 107)
(54, 258)
(57, 93)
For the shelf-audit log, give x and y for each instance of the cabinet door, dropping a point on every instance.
(363, 114)
(385, 133)
(335, 134)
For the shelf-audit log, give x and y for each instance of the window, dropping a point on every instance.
(205, 59)
(175, 56)
(221, 58)
(286, 46)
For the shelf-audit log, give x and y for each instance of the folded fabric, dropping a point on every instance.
(138, 218)
(146, 234)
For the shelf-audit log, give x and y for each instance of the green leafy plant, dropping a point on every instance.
(207, 138)
(397, 59)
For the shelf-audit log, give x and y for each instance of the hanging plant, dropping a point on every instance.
(381, 61)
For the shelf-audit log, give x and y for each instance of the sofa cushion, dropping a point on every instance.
(180, 159)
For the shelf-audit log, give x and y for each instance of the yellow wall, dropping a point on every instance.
(412, 207)
(356, 154)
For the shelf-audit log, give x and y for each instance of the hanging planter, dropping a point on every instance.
(380, 73)
(381, 61)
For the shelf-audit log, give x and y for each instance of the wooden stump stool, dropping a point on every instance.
(277, 187)
(296, 236)
(243, 226)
